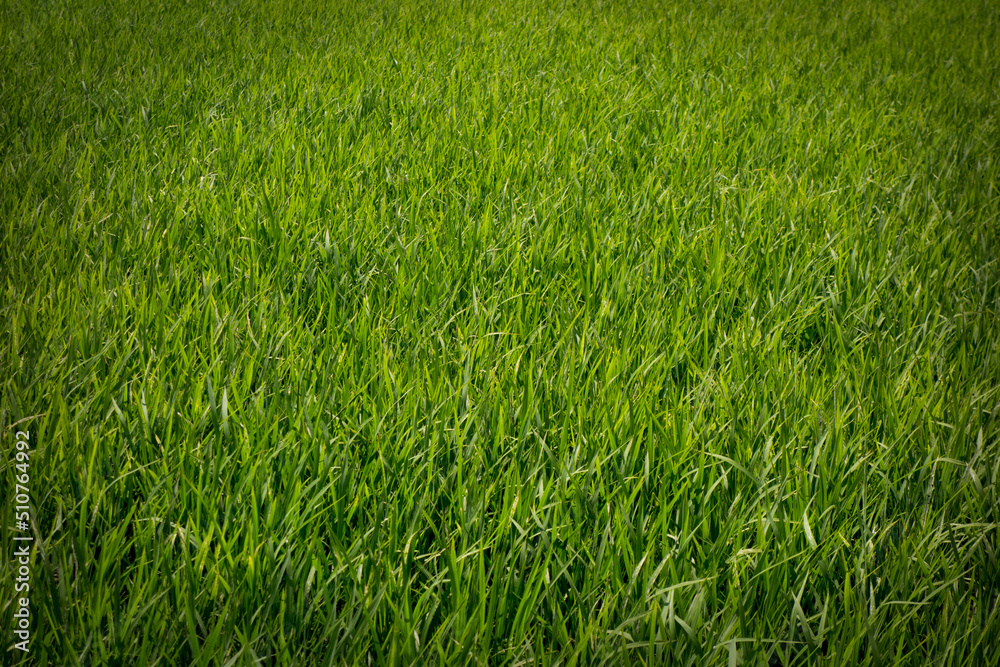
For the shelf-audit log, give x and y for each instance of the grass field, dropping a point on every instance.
(551, 332)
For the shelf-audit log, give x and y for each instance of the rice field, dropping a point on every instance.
(455, 332)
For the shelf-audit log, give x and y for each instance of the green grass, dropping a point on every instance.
(554, 333)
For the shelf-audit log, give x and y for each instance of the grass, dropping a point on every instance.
(555, 332)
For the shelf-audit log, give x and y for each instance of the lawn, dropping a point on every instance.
(534, 332)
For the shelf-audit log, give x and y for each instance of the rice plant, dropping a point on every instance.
(456, 332)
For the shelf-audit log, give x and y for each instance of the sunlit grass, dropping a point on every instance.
(565, 333)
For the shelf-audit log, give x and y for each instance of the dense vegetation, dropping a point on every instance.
(553, 332)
